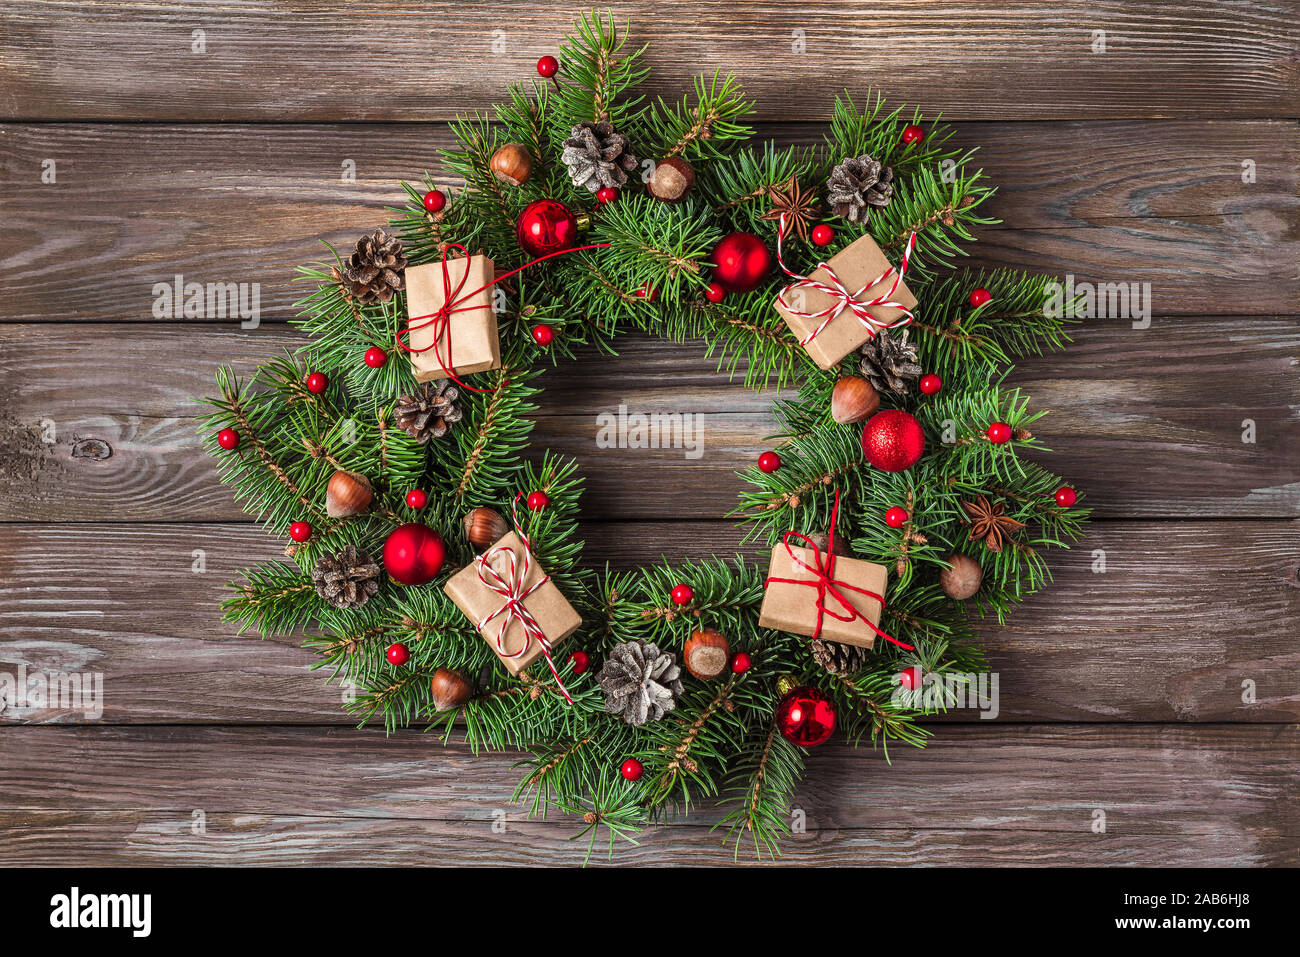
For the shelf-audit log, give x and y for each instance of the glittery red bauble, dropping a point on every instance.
(413, 553)
(632, 769)
(892, 440)
(546, 227)
(398, 654)
(375, 357)
(740, 262)
(300, 531)
(806, 717)
(683, 594)
(228, 439)
(1066, 496)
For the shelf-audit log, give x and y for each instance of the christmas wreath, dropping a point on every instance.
(437, 568)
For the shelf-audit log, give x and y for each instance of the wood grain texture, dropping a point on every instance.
(1183, 616)
(1163, 203)
(1026, 794)
(331, 60)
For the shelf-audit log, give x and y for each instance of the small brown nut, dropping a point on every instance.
(963, 579)
(483, 526)
(512, 164)
(347, 493)
(707, 654)
(450, 689)
(853, 399)
(672, 180)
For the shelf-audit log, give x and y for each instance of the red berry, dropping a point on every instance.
(632, 769)
(1066, 496)
(715, 292)
(317, 382)
(543, 334)
(910, 678)
(823, 235)
(548, 66)
(538, 501)
(999, 432)
(606, 194)
(434, 200)
(683, 594)
(417, 498)
(300, 531)
(580, 662)
(931, 384)
(648, 292)
(228, 439)
(740, 663)
(913, 134)
(979, 297)
(769, 462)
(375, 357)
(896, 517)
(398, 654)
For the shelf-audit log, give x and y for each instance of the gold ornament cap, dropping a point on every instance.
(785, 684)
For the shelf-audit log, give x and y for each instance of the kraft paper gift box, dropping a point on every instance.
(859, 262)
(552, 611)
(472, 327)
(793, 607)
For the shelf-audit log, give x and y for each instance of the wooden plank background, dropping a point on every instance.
(1154, 683)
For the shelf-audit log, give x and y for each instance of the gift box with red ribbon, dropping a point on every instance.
(838, 603)
(452, 329)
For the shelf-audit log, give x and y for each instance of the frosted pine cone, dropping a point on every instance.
(856, 185)
(597, 156)
(640, 682)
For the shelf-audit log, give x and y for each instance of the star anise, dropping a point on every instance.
(990, 522)
(799, 206)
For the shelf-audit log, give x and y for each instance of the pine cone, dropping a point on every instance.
(856, 185)
(597, 156)
(346, 579)
(889, 362)
(429, 411)
(640, 682)
(375, 270)
(838, 659)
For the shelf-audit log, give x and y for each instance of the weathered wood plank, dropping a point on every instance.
(1114, 393)
(1184, 616)
(1163, 203)
(414, 61)
(1021, 794)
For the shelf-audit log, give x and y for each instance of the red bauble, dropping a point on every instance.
(806, 717)
(417, 498)
(930, 384)
(741, 662)
(398, 654)
(413, 553)
(1066, 496)
(715, 292)
(910, 678)
(434, 200)
(896, 517)
(999, 433)
(317, 382)
(683, 594)
(769, 462)
(580, 661)
(632, 769)
(606, 194)
(913, 134)
(979, 297)
(548, 66)
(300, 531)
(543, 334)
(546, 227)
(823, 235)
(893, 441)
(740, 262)
(375, 357)
(538, 500)
(228, 439)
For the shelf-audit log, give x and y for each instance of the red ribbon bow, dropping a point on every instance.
(823, 571)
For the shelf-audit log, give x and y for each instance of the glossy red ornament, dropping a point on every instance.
(910, 678)
(398, 654)
(538, 500)
(741, 662)
(930, 384)
(375, 357)
(806, 717)
(999, 433)
(683, 594)
(413, 553)
(632, 769)
(741, 261)
(893, 441)
(548, 66)
(417, 498)
(769, 462)
(606, 195)
(896, 517)
(823, 235)
(434, 200)
(580, 661)
(543, 334)
(913, 134)
(715, 292)
(228, 439)
(979, 297)
(317, 382)
(1066, 496)
(546, 227)
(300, 531)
